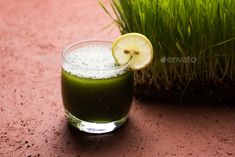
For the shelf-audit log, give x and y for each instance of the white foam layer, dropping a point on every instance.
(93, 61)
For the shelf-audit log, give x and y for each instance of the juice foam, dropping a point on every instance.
(93, 61)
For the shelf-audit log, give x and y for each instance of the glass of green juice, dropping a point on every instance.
(97, 93)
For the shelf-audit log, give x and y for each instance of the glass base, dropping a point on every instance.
(94, 128)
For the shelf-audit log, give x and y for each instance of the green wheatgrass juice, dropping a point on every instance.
(94, 88)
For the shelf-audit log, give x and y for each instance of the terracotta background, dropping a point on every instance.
(33, 34)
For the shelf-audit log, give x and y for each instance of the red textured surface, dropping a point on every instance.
(32, 37)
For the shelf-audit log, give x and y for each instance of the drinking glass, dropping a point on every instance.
(96, 99)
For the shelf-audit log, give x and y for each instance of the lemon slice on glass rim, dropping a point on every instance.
(135, 48)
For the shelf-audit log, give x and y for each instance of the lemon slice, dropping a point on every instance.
(133, 47)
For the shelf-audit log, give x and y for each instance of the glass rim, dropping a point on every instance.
(66, 49)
